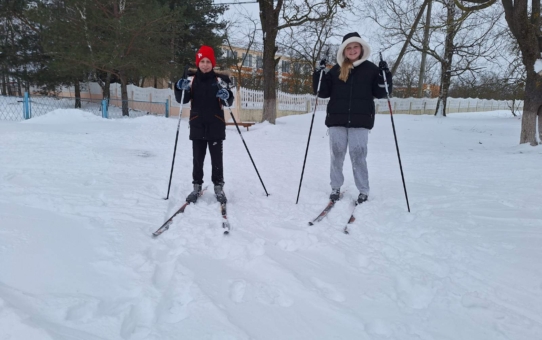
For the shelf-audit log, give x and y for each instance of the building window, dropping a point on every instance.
(285, 66)
(231, 54)
(247, 60)
(259, 62)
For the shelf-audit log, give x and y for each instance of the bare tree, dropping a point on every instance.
(310, 42)
(459, 40)
(245, 38)
(276, 15)
(405, 79)
(425, 47)
(526, 26)
(305, 46)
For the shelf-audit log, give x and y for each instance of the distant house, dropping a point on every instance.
(292, 75)
(246, 68)
(429, 91)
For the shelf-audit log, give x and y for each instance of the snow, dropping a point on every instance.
(538, 66)
(81, 195)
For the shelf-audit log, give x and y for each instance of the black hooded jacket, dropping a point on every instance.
(207, 120)
(351, 103)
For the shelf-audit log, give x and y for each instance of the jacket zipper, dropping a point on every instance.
(350, 99)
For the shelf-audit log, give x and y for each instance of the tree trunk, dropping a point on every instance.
(446, 63)
(527, 31)
(4, 82)
(269, 91)
(532, 108)
(269, 21)
(425, 46)
(19, 87)
(526, 26)
(409, 37)
(124, 92)
(106, 90)
(77, 94)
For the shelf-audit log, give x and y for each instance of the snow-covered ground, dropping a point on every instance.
(81, 195)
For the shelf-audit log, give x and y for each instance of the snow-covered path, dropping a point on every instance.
(80, 197)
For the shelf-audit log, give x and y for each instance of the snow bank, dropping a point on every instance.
(65, 116)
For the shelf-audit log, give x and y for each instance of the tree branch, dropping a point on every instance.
(409, 37)
(482, 4)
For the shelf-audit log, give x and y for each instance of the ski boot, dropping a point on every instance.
(362, 198)
(335, 195)
(219, 193)
(193, 196)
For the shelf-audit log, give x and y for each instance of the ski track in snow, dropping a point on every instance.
(80, 197)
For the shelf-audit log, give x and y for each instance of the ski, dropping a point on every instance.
(352, 217)
(167, 223)
(325, 211)
(225, 223)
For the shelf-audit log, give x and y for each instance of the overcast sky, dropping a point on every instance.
(358, 25)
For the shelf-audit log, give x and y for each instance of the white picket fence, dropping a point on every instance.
(302, 103)
(251, 99)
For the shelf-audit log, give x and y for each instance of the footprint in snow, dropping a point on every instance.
(328, 290)
(174, 310)
(137, 323)
(237, 290)
(271, 295)
(162, 274)
(473, 300)
(256, 248)
(82, 311)
(415, 292)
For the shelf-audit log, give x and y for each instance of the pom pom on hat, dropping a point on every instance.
(205, 52)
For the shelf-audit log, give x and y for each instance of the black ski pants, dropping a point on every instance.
(199, 149)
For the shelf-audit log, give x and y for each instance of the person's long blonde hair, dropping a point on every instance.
(347, 66)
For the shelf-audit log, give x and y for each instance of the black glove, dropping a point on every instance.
(223, 94)
(322, 65)
(183, 84)
(383, 66)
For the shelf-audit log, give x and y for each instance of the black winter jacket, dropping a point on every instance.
(351, 104)
(206, 114)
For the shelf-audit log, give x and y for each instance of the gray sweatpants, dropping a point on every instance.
(356, 140)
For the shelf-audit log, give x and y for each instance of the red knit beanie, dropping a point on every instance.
(205, 52)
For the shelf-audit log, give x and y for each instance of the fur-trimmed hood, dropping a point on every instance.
(350, 38)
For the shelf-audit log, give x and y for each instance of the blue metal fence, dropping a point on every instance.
(26, 107)
(12, 108)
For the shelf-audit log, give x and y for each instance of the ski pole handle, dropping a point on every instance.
(384, 76)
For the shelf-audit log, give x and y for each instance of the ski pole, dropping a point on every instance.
(394, 134)
(176, 136)
(246, 147)
(223, 84)
(310, 132)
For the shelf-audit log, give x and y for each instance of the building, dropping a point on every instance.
(247, 70)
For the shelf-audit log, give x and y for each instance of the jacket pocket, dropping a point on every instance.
(221, 119)
(193, 117)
